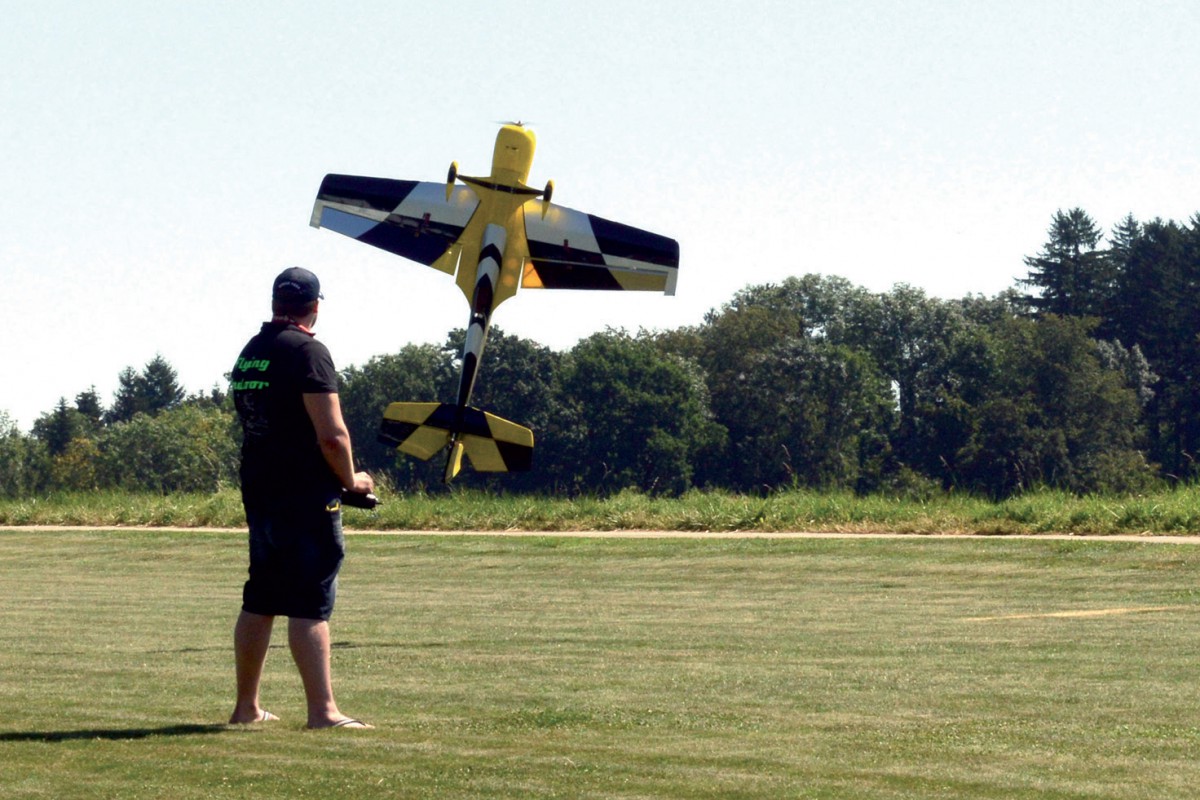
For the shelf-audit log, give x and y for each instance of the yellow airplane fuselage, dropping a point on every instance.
(512, 157)
(501, 195)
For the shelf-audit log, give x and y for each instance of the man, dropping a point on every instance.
(296, 460)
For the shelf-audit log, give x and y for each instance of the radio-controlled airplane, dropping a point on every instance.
(494, 234)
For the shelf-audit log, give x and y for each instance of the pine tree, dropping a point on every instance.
(127, 399)
(156, 388)
(88, 404)
(160, 386)
(1073, 277)
(1158, 310)
(59, 427)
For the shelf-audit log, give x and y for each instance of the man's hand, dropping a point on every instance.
(363, 483)
(366, 500)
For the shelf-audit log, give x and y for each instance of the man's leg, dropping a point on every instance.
(309, 640)
(251, 639)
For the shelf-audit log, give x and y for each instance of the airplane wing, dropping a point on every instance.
(569, 249)
(409, 218)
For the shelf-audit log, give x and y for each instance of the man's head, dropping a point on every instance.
(295, 293)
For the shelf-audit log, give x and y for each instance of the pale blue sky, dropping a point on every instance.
(161, 158)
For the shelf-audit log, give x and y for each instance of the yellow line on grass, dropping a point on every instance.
(1080, 613)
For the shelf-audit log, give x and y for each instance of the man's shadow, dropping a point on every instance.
(112, 734)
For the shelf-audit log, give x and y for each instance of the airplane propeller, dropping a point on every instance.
(451, 177)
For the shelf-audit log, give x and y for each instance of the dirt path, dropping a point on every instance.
(646, 534)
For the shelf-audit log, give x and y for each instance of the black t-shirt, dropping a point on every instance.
(281, 458)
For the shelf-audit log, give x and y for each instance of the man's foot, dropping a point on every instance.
(262, 715)
(344, 723)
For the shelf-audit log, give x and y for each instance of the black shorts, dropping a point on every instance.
(295, 555)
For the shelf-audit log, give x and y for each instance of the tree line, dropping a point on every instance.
(1082, 377)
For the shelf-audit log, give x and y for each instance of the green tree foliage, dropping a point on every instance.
(1132, 364)
(184, 449)
(936, 359)
(727, 348)
(1152, 316)
(1159, 312)
(160, 386)
(1089, 382)
(216, 397)
(24, 462)
(88, 404)
(76, 467)
(734, 349)
(60, 427)
(925, 349)
(815, 413)
(1122, 239)
(126, 401)
(1055, 415)
(1071, 276)
(819, 306)
(156, 388)
(644, 411)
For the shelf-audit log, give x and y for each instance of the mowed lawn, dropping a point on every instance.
(923, 667)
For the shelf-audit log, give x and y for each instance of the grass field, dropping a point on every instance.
(595, 668)
(1170, 511)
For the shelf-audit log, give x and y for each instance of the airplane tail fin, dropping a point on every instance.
(491, 443)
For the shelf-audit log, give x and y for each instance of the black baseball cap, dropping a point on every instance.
(297, 284)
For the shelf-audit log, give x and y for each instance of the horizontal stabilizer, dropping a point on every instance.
(404, 427)
(492, 444)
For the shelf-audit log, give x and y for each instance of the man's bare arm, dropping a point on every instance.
(325, 411)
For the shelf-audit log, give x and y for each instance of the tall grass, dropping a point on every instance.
(1168, 512)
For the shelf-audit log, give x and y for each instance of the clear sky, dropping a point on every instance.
(160, 159)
